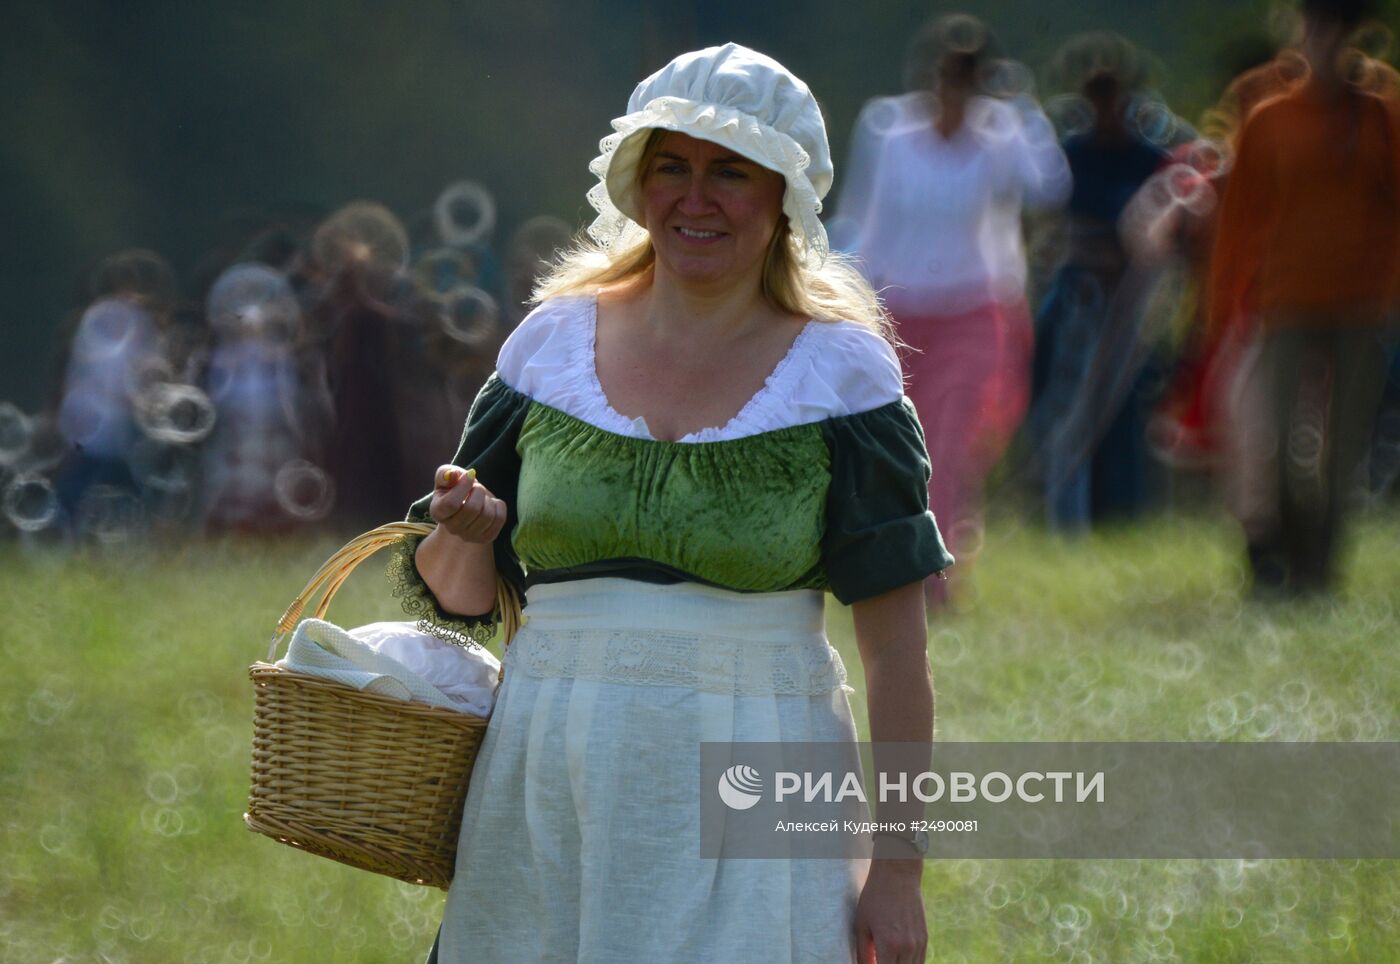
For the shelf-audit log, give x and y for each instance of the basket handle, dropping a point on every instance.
(337, 569)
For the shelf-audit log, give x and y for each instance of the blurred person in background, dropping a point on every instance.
(357, 265)
(1308, 240)
(1192, 420)
(931, 208)
(120, 347)
(403, 345)
(1100, 466)
(114, 342)
(260, 439)
(1208, 419)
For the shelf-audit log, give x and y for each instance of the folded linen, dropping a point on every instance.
(396, 660)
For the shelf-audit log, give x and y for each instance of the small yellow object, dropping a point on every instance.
(452, 476)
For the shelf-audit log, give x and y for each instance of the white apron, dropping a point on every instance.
(581, 835)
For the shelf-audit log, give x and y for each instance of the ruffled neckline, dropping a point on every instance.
(776, 394)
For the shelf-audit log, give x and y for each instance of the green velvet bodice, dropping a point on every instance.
(745, 513)
(838, 504)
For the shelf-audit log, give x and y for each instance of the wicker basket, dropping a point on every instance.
(370, 781)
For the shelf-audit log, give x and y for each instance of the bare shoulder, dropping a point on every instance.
(618, 306)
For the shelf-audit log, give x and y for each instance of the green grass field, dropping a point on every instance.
(126, 720)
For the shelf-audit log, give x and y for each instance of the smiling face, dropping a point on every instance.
(711, 213)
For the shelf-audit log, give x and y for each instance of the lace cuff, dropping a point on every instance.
(419, 602)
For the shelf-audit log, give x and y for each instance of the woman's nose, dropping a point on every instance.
(697, 196)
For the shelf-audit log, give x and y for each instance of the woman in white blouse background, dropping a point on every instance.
(931, 208)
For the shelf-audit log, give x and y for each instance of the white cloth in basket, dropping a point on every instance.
(396, 659)
(467, 676)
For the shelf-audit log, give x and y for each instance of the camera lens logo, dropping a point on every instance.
(740, 787)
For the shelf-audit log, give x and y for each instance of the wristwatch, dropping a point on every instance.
(915, 839)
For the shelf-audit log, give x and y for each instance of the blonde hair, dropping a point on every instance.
(835, 291)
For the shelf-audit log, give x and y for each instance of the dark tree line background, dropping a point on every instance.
(175, 126)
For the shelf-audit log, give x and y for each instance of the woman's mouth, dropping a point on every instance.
(696, 234)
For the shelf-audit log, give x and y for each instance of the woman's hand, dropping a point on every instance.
(464, 507)
(456, 559)
(890, 925)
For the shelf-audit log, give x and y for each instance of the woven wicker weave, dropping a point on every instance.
(370, 781)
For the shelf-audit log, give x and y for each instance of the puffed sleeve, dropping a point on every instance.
(489, 446)
(860, 177)
(1042, 170)
(880, 533)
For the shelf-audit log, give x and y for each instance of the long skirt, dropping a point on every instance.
(969, 379)
(581, 834)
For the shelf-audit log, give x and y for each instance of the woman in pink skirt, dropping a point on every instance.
(932, 209)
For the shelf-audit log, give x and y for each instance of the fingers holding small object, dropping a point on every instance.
(452, 487)
(467, 509)
(448, 476)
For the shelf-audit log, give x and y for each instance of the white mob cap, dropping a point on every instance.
(737, 98)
